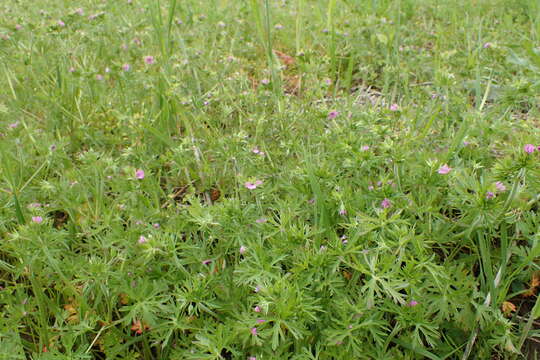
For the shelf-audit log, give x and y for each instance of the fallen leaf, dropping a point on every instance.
(139, 327)
(507, 307)
(285, 59)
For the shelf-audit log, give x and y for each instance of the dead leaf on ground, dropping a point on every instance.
(507, 307)
(287, 60)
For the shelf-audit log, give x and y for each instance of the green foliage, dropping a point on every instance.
(230, 179)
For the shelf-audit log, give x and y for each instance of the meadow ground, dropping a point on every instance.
(263, 179)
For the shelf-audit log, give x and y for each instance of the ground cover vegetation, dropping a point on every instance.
(263, 179)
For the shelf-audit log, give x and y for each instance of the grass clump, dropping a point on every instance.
(269, 179)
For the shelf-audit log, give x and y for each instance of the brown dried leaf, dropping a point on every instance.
(285, 59)
(507, 307)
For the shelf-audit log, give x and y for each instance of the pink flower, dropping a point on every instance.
(260, 221)
(18, 27)
(61, 23)
(445, 169)
(13, 125)
(490, 195)
(500, 186)
(206, 262)
(242, 249)
(342, 212)
(486, 45)
(149, 60)
(254, 331)
(332, 114)
(252, 358)
(156, 226)
(37, 219)
(529, 148)
(412, 303)
(365, 148)
(139, 174)
(386, 203)
(261, 321)
(253, 185)
(265, 81)
(142, 239)
(394, 107)
(126, 67)
(257, 309)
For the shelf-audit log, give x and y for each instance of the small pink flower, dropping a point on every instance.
(386, 203)
(445, 169)
(13, 125)
(529, 148)
(142, 239)
(254, 331)
(206, 262)
(487, 45)
(500, 186)
(252, 358)
(18, 27)
(139, 174)
(138, 222)
(253, 185)
(260, 221)
(365, 148)
(156, 226)
(265, 81)
(412, 303)
(394, 107)
(37, 219)
(256, 151)
(333, 114)
(257, 309)
(257, 289)
(371, 187)
(342, 212)
(61, 23)
(242, 249)
(261, 321)
(149, 60)
(490, 195)
(126, 67)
